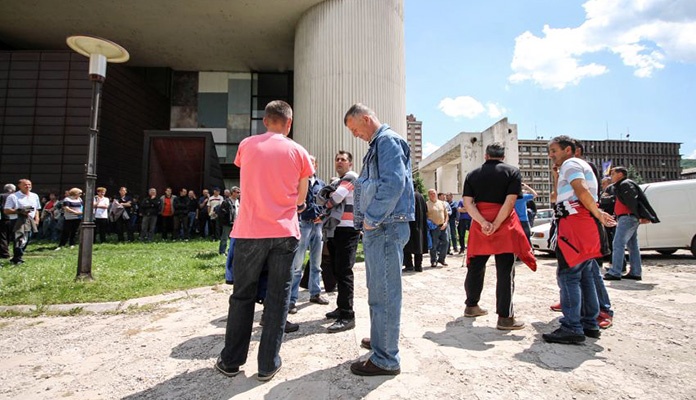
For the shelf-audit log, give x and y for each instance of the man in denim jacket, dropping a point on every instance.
(384, 204)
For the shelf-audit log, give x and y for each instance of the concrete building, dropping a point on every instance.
(446, 169)
(201, 70)
(414, 136)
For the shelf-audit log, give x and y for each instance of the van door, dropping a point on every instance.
(672, 205)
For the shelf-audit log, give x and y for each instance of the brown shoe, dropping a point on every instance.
(509, 324)
(474, 311)
(366, 343)
(367, 368)
(319, 299)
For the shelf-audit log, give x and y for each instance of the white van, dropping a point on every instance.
(675, 205)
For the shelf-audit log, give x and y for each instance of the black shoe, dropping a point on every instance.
(335, 314)
(632, 277)
(292, 309)
(610, 277)
(225, 370)
(290, 327)
(563, 336)
(229, 282)
(341, 325)
(263, 377)
(16, 262)
(433, 265)
(592, 333)
(367, 368)
(418, 269)
(407, 270)
(444, 264)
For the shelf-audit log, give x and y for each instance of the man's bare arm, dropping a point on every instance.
(504, 211)
(583, 193)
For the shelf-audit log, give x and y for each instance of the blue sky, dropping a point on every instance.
(590, 69)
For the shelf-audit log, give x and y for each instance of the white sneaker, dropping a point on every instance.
(72, 247)
(56, 249)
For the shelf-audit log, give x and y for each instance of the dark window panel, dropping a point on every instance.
(19, 111)
(21, 102)
(51, 102)
(23, 84)
(25, 56)
(53, 140)
(81, 103)
(17, 139)
(24, 75)
(51, 93)
(49, 75)
(19, 120)
(53, 84)
(50, 112)
(54, 159)
(81, 140)
(18, 130)
(21, 92)
(50, 121)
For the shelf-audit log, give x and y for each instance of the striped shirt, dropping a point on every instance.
(344, 193)
(572, 169)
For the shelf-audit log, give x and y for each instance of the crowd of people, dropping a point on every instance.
(380, 206)
(58, 220)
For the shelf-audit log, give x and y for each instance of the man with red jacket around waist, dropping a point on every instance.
(489, 194)
(578, 243)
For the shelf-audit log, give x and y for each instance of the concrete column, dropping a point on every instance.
(448, 178)
(347, 51)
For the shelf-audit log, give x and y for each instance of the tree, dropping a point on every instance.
(634, 175)
(419, 185)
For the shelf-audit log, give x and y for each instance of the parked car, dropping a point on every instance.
(675, 205)
(543, 216)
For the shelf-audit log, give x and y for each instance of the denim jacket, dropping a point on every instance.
(384, 190)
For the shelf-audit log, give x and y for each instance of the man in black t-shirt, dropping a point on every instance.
(489, 194)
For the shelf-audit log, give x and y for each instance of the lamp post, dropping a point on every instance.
(100, 51)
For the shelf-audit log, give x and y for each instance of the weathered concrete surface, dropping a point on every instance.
(167, 352)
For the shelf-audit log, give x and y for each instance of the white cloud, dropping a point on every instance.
(462, 106)
(429, 149)
(692, 155)
(645, 34)
(495, 110)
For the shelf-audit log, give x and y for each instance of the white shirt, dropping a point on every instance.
(20, 200)
(101, 213)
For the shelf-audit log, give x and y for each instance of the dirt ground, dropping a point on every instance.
(167, 349)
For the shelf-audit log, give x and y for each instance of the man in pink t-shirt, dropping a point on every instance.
(274, 173)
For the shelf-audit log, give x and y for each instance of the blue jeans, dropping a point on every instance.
(438, 251)
(224, 237)
(229, 274)
(602, 295)
(383, 259)
(453, 234)
(310, 239)
(578, 297)
(626, 234)
(252, 255)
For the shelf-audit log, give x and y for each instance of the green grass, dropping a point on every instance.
(120, 271)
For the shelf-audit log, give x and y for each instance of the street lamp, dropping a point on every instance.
(100, 51)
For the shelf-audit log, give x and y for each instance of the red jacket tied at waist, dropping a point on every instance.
(509, 238)
(578, 236)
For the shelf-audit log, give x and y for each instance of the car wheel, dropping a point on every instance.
(666, 252)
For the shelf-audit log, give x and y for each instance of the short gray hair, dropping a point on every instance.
(356, 110)
(495, 150)
(10, 188)
(278, 110)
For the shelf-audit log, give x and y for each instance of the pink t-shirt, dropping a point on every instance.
(271, 166)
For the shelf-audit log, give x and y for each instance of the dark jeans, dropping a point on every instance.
(102, 225)
(505, 285)
(6, 237)
(181, 226)
(579, 301)
(69, 232)
(214, 229)
(342, 248)
(527, 230)
(464, 225)
(438, 251)
(123, 225)
(168, 227)
(148, 225)
(250, 258)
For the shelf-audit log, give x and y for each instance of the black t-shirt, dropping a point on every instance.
(492, 182)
